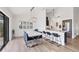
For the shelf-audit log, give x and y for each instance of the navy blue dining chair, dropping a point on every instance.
(25, 37)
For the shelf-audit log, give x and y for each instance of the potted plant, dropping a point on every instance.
(13, 33)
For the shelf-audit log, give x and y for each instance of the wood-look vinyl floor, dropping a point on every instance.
(18, 45)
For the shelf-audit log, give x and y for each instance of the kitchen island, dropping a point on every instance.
(62, 36)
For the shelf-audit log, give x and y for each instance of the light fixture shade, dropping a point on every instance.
(34, 18)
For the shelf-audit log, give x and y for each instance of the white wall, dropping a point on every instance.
(76, 21)
(64, 12)
(6, 12)
(17, 21)
(39, 23)
(40, 13)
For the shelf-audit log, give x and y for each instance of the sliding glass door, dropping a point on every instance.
(1, 31)
(4, 30)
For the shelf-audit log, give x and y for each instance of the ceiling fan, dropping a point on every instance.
(32, 8)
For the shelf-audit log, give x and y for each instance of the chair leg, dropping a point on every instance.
(26, 43)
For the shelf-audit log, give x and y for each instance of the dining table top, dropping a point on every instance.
(33, 33)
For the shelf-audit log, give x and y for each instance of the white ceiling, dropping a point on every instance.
(25, 10)
(50, 9)
(19, 10)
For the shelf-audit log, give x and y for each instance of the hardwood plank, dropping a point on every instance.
(18, 45)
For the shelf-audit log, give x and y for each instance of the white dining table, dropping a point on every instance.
(35, 41)
(33, 33)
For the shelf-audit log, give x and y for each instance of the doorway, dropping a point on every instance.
(67, 27)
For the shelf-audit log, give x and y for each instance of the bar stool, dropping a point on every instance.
(57, 38)
(53, 38)
(44, 34)
(49, 35)
(36, 30)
